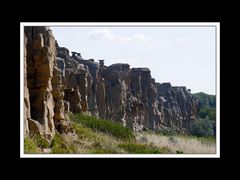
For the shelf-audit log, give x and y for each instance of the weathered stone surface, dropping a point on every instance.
(66, 109)
(63, 53)
(116, 91)
(59, 83)
(101, 97)
(61, 65)
(40, 62)
(35, 128)
(140, 82)
(92, 69)
(64, 127)
(58, 94)
(179, 107)
(76, 77)
(44, 81)
(27, 115)
(131, 96)
(74, 98)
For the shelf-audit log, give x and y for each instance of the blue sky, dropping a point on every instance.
(184, 56)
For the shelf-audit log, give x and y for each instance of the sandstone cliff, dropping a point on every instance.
(44, 89)
(56, 82)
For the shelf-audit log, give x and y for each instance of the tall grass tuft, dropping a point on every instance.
(30, 146)
(135, 148)
(59, 146)
(115, 129)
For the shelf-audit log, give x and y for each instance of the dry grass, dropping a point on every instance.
(180, 144)
(87, 141)
(92, 140)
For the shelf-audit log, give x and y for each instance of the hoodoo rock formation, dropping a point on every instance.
(56, 83)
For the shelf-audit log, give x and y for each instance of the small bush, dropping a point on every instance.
(167, 132)
(115, 129)
(179, 152)
(202, 128)
(134, 148)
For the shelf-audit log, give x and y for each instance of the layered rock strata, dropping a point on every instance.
(56, 82)
(44, 88)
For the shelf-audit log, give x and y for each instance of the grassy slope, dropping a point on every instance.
(97, 136)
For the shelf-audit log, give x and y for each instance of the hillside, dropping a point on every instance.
(98, 136)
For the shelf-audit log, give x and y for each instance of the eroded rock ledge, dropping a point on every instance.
(56, 82)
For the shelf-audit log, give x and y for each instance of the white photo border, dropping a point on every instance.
(123, 24)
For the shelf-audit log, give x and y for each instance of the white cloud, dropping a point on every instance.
(180, 39)
(101, 33)
(109, 35)
(139, 37)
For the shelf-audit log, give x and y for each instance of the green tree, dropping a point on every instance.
(203, 127)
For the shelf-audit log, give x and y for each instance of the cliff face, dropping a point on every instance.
(44, 89)
(179, 107)
(56, 83)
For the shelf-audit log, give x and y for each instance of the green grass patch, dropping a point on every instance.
(207, 140)
(30, 146)
(34, 144)
(84, 132)
(115, 129)
(102, 151)
(134, 148)
(40, 141)
(58, 145)
(203, 140)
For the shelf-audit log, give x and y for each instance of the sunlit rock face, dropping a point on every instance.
(130, 95)
(57, 82)
(44, 88)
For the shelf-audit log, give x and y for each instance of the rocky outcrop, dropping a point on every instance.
(178, 105)
(58, 82)
(133, 98)
(91, 69)
(116, 91)
(74, 98)
(44, 82)
(27, 115)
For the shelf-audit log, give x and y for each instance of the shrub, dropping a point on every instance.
(142, 148)
(167, 132)
(179, 152)
(202, 127)
(115, 129)
(209, 112)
